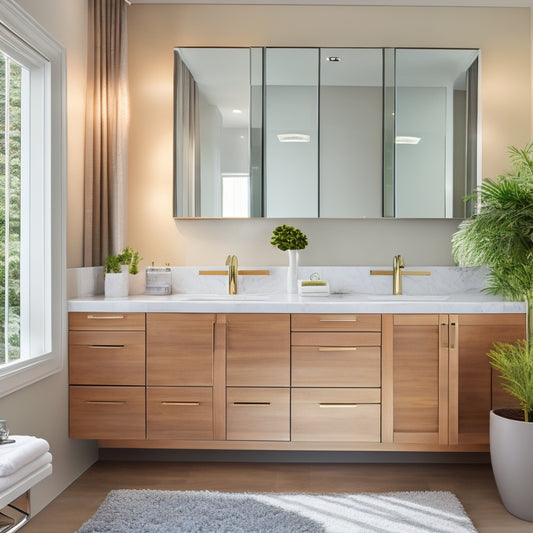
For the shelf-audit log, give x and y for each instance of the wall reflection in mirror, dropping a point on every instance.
(330, 132)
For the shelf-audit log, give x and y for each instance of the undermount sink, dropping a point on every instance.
(221, 298)
(409, 297)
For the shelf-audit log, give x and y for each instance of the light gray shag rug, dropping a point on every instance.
(156, 511)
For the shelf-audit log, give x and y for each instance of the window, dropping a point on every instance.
(32, 171)
(235, 195)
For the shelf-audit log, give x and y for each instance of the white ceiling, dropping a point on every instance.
(442, 3)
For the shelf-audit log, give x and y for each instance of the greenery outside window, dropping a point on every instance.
(32, 193)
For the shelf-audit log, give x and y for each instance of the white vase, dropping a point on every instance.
(116, 285)
(292, 273)
(511, 455)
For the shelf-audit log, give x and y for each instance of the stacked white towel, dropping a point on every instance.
(22, 457)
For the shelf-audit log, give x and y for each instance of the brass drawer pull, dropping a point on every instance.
(192, 404)
(337, 349)
(338, 320)
(106, 402)
(259, 404)
(106, 346)
(337, 405)
(111, 317)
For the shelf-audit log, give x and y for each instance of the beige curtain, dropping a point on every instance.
(105, 214)
(187, 200)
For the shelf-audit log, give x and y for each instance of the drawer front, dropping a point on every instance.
(107, 412)
(106, 321)
(106, 358)
(336, 339)
(258, 414)
(336, 415)
(184, 413)
(336, 366)
(311, 322)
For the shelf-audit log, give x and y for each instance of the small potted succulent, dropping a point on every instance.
(117, 269)
(500, 235)
(290, 239)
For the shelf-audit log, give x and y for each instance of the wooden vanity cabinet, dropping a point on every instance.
(336, 378)
(107, 375)
(280, 381)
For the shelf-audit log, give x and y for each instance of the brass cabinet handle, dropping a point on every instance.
(105, 402)
(192, 404)
(453, 333)
(337, 348)
(259, 404)
(337, 405)
(111, 317)
(444, 334)
(106, 346)
(338, 319)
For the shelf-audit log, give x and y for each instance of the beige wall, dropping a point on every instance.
(502, 34)
(42, 408)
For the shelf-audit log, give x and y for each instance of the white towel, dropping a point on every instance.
(26, 470)
(24, 450)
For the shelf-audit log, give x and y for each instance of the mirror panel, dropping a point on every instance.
(431, 132)
(291, 132)
(351, 117)
(346, 132)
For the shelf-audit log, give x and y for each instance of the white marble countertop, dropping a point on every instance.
(466, 302)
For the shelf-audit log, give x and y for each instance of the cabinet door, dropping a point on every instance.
(179, 349)
(258, 350)
(420, 379)
(474, 390)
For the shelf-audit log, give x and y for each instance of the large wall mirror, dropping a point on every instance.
(325, 132)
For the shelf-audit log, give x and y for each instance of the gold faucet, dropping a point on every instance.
(233, 270)
(397, 272)
(397, 265)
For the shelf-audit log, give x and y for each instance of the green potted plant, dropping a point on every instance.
(500, 235)
(116, 270)
(291, 240)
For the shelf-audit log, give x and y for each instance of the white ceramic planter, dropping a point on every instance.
(116, 285)
(292, 274)
(511, 454)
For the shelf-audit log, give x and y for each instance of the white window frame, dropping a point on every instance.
(43, 239)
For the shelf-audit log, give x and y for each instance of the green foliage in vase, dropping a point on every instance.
(500, 235)
(127, 257)
(288, 238)
(131, 258)
(112, 265)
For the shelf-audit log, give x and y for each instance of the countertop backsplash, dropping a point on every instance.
(89, 281)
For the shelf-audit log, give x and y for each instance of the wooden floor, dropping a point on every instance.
(472, 483)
